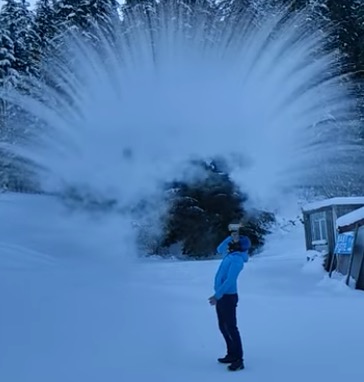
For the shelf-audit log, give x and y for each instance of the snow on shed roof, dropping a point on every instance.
(350, 218)
(352, 200)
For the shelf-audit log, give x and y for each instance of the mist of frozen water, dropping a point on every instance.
(175, 84)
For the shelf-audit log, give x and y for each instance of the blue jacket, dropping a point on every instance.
(231, 265)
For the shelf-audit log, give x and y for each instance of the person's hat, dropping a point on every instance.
(234, 227)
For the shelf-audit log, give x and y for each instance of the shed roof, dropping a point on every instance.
(348, 221)
(352, 200)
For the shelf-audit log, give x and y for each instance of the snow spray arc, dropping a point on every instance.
(178, 82)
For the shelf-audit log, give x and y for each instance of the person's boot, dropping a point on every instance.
(236, 365)
(227, 359)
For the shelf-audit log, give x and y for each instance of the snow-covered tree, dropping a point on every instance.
(43, 30)
(67, 13)
(16, 19)
(101, 14)
(100, 11)
(201, 211)
(8, 73)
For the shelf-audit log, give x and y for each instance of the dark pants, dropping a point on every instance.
(226, 315)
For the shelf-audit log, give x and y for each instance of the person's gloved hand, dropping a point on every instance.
(212, 300)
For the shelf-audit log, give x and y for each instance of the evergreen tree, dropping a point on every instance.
(8, 37)
(44, 30)
(7, 16)
(133, 10)
(16, 19)
(8, 67)
(23, 40)
(83, 14)
(86, 16)
(8, 73)
(101, 12)
(201, 211)
(345, 30)
(68, 14)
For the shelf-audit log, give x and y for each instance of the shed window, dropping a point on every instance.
(318, 226)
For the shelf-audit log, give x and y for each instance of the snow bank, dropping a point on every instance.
(38, 229)
(314, 264)
(337, 284)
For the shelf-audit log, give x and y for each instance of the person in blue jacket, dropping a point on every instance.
(234, 250)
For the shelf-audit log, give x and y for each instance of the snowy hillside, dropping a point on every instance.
(77, 307)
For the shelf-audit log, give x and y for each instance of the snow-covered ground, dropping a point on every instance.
(76, 307)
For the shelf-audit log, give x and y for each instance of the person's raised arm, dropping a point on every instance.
(223, 246)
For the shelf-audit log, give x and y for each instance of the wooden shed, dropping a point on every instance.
(351, 264)
(320, 223)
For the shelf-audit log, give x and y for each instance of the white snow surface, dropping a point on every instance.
(352, 200)
(350, 218)
(76, 306)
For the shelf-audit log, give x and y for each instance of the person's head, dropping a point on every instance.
(235, 235)
(234, 231)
